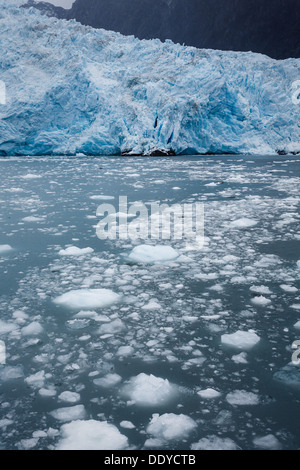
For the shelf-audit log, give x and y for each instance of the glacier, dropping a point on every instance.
(72, 89)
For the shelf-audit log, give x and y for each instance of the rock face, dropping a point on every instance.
(74, 89)
(267, 26)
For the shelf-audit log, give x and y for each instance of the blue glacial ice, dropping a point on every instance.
(73, 89)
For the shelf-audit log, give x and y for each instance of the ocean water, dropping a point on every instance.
(148, 355)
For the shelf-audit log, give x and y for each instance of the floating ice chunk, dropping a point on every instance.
(152, 305)
(215, 443)
(7, 327)
(33, 329)
(261, 289)
(289, 374)
(269, 442)
(5, 249)
(171, 426)
(36, 380)
(10, 373)
(87, 298)
(241, 339)
(5, 422)
(69, 397)
(125, 351)
(260, 300)
(31, 176)
(101, 197)
(32, 218)
(91, 435)
(47, 392)
(288, 288)
(152, 442)
(244, 222)
(127, 425)
(69, 413)
(152, 254)
(109, 380)
(75, 251)
(242, 398)
(240, 358)
(297, 325)
(148, 390)
(296, 306)
(27, 444)
(114, 327)
(209, 393)
(298, 264)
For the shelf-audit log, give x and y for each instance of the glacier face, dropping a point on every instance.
(73, 89)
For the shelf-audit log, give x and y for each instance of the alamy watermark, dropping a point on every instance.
(2, 92)
(296, 92)
(151, 221)
(2, 353)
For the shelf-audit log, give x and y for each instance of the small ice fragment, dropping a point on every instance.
(127, 425)
(152, 254)
(5, 249)
(87, 298)
(170, 426)
(244, 222)
(109, 380)
(75, 251)
(209, 393)
(69, 413)
(215, 443)
(69, 397)
(91, 435)
(241, 339)
(242, 398)
(268, 442)
(33, 329)
(148, 390)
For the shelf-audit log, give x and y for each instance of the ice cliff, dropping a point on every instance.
(74, 89)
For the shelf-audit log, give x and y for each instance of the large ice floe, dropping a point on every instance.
(73, 89)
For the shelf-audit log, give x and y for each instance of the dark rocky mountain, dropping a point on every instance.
(271, 27)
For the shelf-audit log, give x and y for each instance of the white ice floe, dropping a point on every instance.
(296, 306)
(113, 327)
(260, 300)
(101, 197)
(125, 351)
(47, 392)
(209, 393)
(30, 176)
(170, 426)
(261, 290)
(152, 254)
(36, 380)
(32, 218)
(241, 339)
(127, 425)
(240, 358)
(33, 329)
(5, 249)
(297, 325)
(244, 222)
(75, 251)
(8, 373)
(215, 443)
(288, 288)
(148, 390)
(87, 298)
(242, 398)
(109, 380)
(69, 413)
(69, 397)
(91, 435)
(268, 442)
(6, 328)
